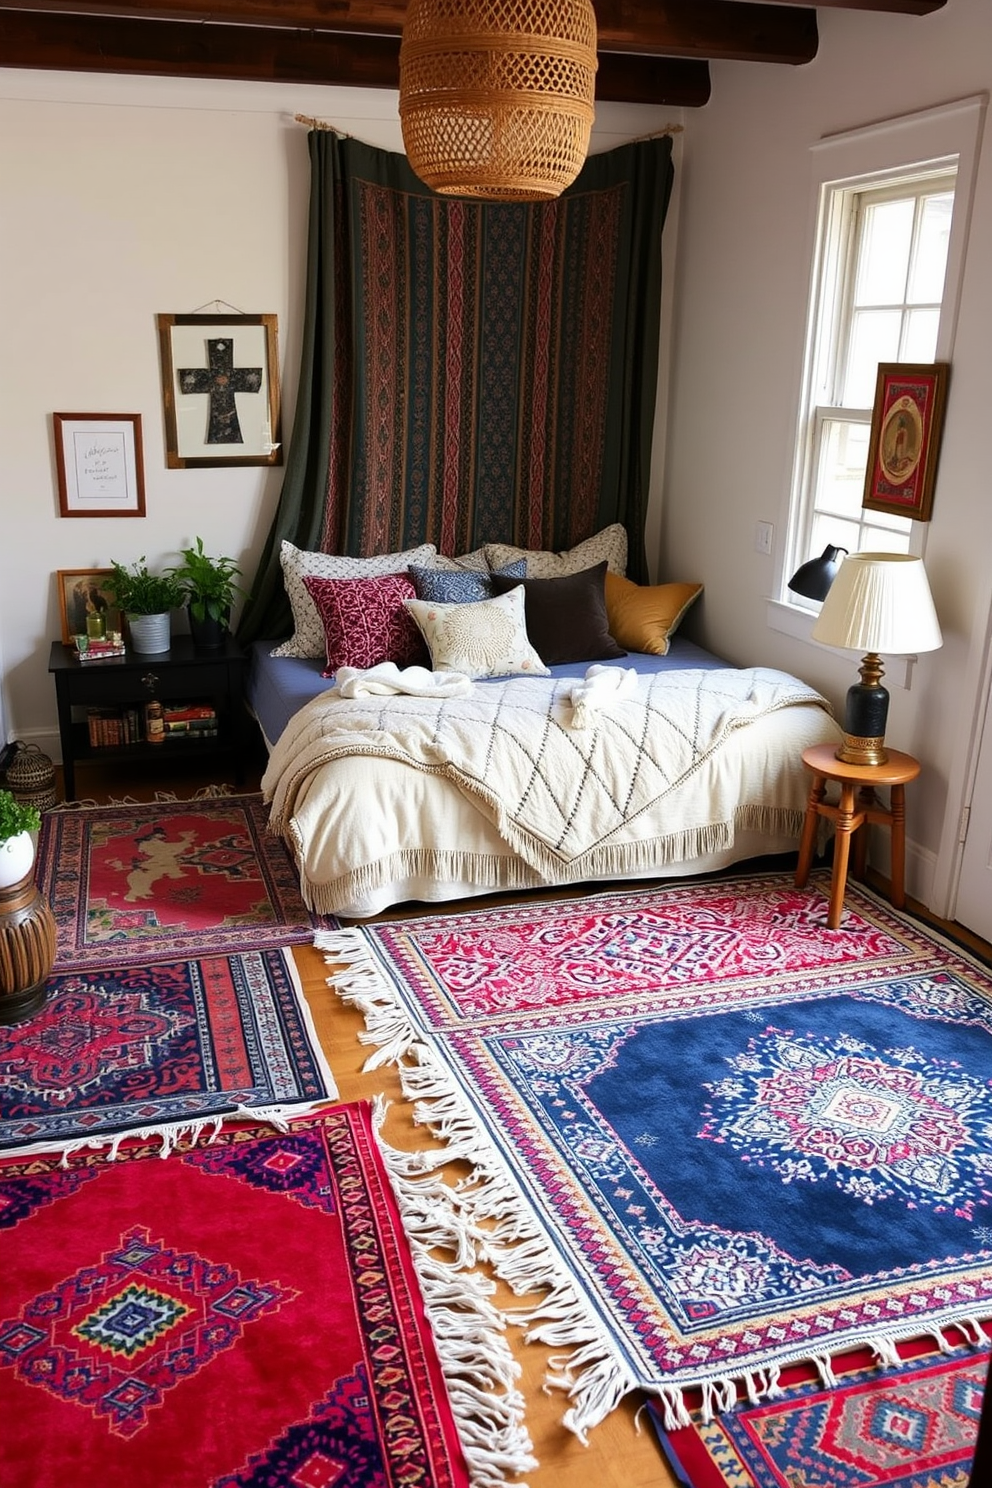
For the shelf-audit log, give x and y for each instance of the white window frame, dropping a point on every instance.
(869, 157)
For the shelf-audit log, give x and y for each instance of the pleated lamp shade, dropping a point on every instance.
(880, 602)
(496, 96)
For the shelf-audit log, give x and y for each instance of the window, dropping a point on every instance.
(883, 256)
(891, 209)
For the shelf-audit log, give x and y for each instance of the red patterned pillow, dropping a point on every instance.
(366, 622)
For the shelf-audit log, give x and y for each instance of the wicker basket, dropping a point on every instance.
(31, 777)
(496, 96)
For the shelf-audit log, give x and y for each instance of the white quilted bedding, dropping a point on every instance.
(386, 800)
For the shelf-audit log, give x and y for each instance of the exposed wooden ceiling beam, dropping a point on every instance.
(87, 43)
(704, 29)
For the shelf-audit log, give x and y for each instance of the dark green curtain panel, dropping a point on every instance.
(471, 372)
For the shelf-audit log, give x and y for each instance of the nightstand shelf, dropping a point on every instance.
(180, 675)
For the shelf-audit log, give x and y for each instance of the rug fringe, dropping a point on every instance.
(479, 1369)
(171, 1134)
(485, 1217)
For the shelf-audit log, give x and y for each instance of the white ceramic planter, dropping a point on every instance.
(16, 858)
(150, 634)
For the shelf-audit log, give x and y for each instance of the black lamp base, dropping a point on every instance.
(865, 717)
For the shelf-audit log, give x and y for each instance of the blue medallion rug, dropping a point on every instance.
(718, 1136)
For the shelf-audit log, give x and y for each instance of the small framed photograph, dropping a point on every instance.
(906, 425)
(83, 595)
(98, 458)
(220, 385)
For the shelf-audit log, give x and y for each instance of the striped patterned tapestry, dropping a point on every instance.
(471, 372)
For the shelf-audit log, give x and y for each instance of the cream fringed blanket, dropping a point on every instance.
(642, 786)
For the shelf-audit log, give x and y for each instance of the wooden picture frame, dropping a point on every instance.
(906, 424)
(220, 386)
(99, 461)
(81, 590)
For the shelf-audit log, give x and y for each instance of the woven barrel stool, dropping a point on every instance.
(27, 949)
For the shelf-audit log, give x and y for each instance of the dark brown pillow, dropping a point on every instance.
(566, 617)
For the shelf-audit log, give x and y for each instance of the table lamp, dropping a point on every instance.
(879, 602)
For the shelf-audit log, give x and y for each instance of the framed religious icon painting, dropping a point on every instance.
(84, 593)
(906, 425)
(220, 385)
(98, 461)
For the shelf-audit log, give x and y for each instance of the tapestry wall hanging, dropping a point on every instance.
(471, 372)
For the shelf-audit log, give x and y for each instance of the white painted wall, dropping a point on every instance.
(742, 281)
(121, 198)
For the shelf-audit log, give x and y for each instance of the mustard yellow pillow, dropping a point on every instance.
(642, 617)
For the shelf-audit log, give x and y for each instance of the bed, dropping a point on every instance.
(385, 800)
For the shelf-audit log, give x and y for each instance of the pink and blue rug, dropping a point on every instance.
(720, 1137)
(170, 1049)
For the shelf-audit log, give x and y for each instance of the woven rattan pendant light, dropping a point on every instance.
(496, 96)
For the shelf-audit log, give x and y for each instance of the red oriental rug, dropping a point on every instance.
(912, 1427)
(147, 882)
(239, 1316)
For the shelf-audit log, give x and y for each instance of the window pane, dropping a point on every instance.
(841, 476)
(874, 339)
(882, 269)
(926, 278)
(920, 335)
(883, 540)
(830, 530)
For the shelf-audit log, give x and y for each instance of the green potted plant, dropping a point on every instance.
(209, 587)
(17, 822)
(146, 599)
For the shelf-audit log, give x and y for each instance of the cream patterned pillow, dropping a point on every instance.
(484, 639)
(474, 562)
(610, 544)
(307, 639)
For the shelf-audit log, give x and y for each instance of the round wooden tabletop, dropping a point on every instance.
(897, 770)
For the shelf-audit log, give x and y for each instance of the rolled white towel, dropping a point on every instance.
(387, 678)
(601, 686)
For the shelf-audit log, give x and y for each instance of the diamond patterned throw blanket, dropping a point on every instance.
(556, 794)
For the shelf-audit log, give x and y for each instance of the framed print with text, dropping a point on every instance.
(906, 425)
(99, 463)
(220, 385)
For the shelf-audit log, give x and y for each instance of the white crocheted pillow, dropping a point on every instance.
(609, 545)
(484, 639)
(307, 639)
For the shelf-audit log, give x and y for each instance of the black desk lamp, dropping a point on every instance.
(813, 579)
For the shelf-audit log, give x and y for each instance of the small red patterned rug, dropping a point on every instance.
(242, 1315)
(913, 1427)
(147, 882)
(170, 1049)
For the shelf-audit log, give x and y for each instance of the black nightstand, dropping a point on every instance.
(123, 685)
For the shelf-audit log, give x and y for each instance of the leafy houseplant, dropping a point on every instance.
(209, 589)
(16, 817)
(146, 599)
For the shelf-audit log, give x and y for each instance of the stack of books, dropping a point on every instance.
(189, 720)
(110, 728)
(89, 650)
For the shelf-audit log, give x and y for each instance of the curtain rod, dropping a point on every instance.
(333, 129)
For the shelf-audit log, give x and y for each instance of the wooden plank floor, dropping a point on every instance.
(622, 1452)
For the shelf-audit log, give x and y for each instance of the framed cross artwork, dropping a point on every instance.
(220, 384)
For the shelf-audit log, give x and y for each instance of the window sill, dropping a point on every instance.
(794, 621)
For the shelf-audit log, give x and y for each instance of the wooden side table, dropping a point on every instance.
(857, 808)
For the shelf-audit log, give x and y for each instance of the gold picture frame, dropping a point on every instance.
(220, 386)
(80, 591)
(99, 462)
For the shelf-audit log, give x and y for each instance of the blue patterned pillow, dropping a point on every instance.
(445, 586)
